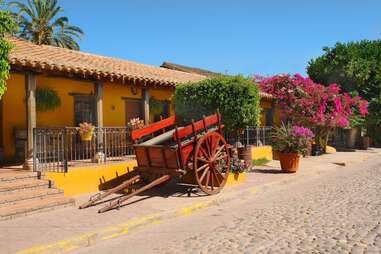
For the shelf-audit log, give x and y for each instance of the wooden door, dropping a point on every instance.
(134, 109)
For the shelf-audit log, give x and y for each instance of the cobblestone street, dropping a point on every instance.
(335, 212)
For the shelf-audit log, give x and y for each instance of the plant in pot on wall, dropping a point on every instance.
(47, 99)
(86, 131)
(291, 142)
(134, 124)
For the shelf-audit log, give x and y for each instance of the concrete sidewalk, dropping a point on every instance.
(70, 228)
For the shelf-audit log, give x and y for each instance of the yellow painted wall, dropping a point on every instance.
(14, 107)
(64, 115)
(114, 111)
(88, 179)
(14, 112)
(262, 152)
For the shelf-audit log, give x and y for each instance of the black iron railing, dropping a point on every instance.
(258, 136)
(57, 149)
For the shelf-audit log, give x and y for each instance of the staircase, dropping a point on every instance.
(23, 193)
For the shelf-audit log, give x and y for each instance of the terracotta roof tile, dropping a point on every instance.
(26, 54)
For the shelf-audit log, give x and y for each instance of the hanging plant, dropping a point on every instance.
(156, 106)
(47, 99)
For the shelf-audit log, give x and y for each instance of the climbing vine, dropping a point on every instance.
(7, 26)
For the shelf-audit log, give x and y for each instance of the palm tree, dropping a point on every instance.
(39, 23)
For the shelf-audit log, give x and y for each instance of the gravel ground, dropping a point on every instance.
(335, 212)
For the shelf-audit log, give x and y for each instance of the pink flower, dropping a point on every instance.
(342, 122)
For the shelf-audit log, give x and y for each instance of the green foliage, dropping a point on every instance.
(156, 107)
(47, 99)
(356, 120)
(260, 161)
(355, 66)
(39, 23)
(237, 98)
(7, 26)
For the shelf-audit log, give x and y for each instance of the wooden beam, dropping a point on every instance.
(99, 157)
(30, 89)
(146, 105)
(99, 102)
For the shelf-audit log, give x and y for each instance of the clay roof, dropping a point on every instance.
(179, 67)
(203, 72)
(42, 57)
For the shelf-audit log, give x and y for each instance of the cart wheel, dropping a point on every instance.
(211, 163)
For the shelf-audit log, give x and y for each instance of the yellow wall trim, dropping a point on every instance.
(262, 152)
(92, 178)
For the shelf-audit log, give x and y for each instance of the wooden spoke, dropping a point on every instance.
(204, 174)
(218, 180)
(203, 160)
(206, 155)
(207, 179)
(218, 152)
(202, 167)
(212, 182)
(217, 172)
(211, 162)
(221, 157)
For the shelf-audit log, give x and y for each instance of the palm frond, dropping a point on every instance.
(39, 23)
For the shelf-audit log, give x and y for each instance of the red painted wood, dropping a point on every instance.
(136, 134)
(199, 125)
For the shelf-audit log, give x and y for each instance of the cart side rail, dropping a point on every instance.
(152, 128)
(195, 127)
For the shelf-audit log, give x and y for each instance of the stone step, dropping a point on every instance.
(26, 207)
(13, 198)
(21, 185)
(17, 175)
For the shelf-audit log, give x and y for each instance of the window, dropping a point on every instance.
(84, 109)
(269, 116)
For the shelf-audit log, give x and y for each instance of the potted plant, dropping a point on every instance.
(135, 124)
(365, 140)
(291, 142)
(86, 131)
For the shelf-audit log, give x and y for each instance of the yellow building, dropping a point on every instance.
(102, 90)
(105, 91)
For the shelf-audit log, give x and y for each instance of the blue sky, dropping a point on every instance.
(237, 37)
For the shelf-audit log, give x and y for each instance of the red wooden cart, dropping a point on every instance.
(197, 152)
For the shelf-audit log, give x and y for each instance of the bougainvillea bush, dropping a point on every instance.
(307, 103)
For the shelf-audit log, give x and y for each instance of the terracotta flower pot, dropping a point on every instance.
(289, 162)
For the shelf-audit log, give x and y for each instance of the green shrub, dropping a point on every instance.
(7, 25)
(237, 98)
(260, 161)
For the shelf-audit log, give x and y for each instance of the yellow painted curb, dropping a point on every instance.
(234, 179)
